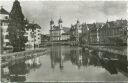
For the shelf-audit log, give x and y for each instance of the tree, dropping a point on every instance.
(16, 28)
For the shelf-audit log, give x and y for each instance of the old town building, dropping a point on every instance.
(94, 33)
(58, 33)
(85, 34)
(113, 33)
(75, 32)
(4, 21)
(33, 34)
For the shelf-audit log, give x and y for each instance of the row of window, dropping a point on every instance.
(111, 32)
(4, 24)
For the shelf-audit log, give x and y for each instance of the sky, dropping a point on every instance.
(85, 11)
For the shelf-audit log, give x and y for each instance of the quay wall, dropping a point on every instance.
(100, 48)
(12, 58)
(105, 49)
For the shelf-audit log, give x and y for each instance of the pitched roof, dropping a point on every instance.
(3, 11)
(66, 29)
(56, 28)
(66, 33)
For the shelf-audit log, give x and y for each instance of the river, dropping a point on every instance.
(69, 63)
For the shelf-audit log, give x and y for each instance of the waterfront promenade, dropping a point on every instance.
(107, 49)
(12, 58)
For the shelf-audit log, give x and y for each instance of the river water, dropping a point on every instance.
(66, 63)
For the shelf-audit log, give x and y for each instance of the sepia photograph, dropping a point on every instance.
(64, 41)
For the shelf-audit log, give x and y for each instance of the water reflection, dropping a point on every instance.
(59, 55)
(56, 56)
(85, 57)
(18, 72)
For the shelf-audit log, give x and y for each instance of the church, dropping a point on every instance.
(59, 32)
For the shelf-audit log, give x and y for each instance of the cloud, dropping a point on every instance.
(86, 11)
(115, 7)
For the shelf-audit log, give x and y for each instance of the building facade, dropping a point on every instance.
(114, 33)
(85, 34)
(58, 33)
(33, 34)
(109, 33)
(4, 21)
(75, 32)
(94, 34)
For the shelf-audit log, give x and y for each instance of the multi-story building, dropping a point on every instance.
(65, 36)
(75, 32)
(94, 36)
(109, 33)
(45, 38)
(55, 31)
(59, 32)
(113, 33)
(33, 34)
(85, 34)
(4, 21)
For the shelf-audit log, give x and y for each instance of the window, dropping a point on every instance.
(6, 17)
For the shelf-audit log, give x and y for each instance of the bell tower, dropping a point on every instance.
(60, 23)
(51, 29)
(51, 24)
(60, 28)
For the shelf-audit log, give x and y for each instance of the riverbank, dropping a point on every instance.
(105, 49)
(122, 50)
(11, 58)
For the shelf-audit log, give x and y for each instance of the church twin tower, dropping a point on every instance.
(56, 31)
(59, 24)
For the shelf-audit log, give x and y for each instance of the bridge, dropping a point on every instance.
(12, 58)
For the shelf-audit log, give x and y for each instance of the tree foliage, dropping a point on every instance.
(16, 28)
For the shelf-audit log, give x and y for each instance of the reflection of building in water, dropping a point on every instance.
(33, 63)
(111, 62)
(18, 71)
(81, 57)
(85, 57)
(5, 71)
(56, 56)
(76, 56)
(17, 78)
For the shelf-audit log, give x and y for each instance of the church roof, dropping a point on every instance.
(3, 11)
(56, 28)
(66, 29)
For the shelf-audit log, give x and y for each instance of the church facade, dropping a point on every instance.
(58, 33)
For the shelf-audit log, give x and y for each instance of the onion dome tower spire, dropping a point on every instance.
(60, 20)
(78, 21)
(51, 22)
